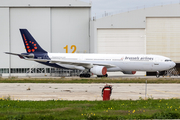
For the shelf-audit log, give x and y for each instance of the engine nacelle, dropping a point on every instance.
(129, 72)
(99, 70)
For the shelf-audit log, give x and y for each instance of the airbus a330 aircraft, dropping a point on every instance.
(97, 64)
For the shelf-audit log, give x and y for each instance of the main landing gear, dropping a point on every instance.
(86, 74)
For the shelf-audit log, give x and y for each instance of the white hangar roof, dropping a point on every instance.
(137, 18)
(44, 3)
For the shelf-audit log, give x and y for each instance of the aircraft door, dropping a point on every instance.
(156, 63)
(148, 66)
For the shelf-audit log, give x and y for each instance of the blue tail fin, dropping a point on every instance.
(30, 43)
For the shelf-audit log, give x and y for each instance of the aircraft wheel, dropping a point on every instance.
(99, 75)
(157, 74)
(85, 75)
(81, 75)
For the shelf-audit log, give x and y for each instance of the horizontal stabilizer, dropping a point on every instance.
(22, 56)
(15, 54)
(12, 53)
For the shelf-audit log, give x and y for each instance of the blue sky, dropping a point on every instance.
(99, 7)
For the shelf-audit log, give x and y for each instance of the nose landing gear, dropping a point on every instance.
(158, 74)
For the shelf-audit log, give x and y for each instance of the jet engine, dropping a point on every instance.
(129, 72)
(99, 70)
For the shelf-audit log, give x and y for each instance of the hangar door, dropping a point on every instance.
(121, 41)
(163, 37)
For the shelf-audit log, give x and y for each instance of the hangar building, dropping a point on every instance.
(66, 26)
(153, 30)
(57, 25)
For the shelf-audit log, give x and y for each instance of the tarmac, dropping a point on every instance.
(56, 91)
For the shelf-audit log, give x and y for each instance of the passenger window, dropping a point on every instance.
(167, 60)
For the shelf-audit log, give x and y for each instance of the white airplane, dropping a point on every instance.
(97, 64)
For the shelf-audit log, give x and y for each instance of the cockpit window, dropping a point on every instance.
(168, 60)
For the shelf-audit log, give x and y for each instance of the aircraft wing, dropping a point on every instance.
(77, 63)
(69, 62)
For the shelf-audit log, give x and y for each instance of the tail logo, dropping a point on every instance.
(31, 46)
(30, 43)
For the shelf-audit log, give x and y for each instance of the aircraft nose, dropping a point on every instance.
(173, 64)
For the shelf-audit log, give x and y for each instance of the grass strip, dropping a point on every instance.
(89, 80)
(90, 110)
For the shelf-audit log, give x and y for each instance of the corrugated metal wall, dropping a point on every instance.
(70, 26)
(53, 28)
(4, 37)
(36, 21)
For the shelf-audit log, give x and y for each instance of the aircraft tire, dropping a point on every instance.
(81, 75)
(157, 75)
(88, 75)
(85, 75)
